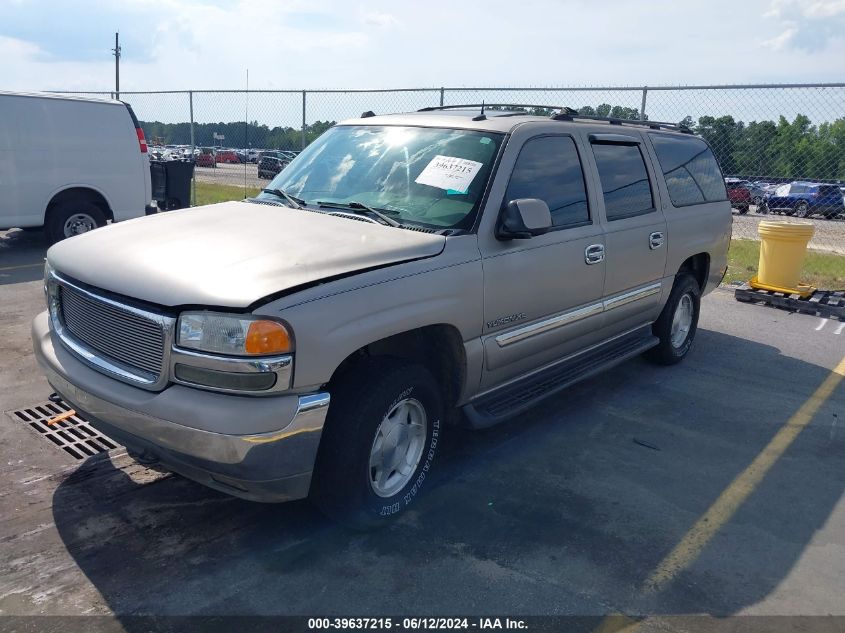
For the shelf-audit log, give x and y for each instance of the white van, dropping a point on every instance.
(70, 164)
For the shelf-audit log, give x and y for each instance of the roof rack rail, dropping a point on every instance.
(464, 106)
(565, 113)
(654, 125)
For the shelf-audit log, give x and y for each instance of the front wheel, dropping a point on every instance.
(379, 443)
(678, 322)
(802, 210)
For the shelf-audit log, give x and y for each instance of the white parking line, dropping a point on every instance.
(821, 325)
(840, 328)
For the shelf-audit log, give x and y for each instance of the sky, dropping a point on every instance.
(206, 44)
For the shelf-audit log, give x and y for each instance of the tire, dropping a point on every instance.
(669, 352)
(763, 209)
(757, 201)
(743, 209)
(71, 218)
(802, 210)
(374, 394)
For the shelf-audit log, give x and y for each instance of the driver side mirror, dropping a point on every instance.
(523, 218)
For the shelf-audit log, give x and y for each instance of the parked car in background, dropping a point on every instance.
(405, 274)
(757, 190)
(269, 166)
(228, 156)
(803, 199)
(278, 153)
(739, 194)
(206, 158)
(70, 164)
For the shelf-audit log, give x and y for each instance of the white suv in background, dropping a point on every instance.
(70, 164)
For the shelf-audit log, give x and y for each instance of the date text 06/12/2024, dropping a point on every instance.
(416, 624)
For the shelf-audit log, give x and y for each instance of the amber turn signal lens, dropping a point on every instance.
(267, 337)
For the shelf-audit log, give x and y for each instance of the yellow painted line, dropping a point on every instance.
(5, 268)
(617, 623)
(718, 514)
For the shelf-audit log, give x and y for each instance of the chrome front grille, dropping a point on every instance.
(120, 335)
(119, 339)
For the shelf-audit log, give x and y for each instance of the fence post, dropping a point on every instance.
(193, 148)
(442, 90)
(303, 120)
(642, 106)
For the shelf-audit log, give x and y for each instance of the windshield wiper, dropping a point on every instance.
(296, 203)
(359, 208)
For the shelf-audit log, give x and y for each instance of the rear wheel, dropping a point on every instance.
(73, 217)
(379, 442)
(678, 322)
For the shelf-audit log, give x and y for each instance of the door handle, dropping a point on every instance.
(594, 254)
(655, 240)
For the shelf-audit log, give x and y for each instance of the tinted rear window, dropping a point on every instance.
(624, 180)
(690, 169)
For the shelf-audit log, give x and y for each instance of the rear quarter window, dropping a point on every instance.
(691, 172)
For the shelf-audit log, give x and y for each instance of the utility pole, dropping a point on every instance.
(116, 53)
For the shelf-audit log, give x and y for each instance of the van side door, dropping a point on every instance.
(542, 296)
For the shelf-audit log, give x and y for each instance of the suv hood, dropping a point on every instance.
(231, 254)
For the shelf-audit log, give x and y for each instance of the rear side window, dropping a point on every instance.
(690, 169)
(624, 180)
(549, 168)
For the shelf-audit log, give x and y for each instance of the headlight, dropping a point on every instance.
(233, 335)
(51, 292)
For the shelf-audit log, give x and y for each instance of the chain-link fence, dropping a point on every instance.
(782, 146)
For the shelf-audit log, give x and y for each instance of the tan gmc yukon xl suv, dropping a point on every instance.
(404, 273)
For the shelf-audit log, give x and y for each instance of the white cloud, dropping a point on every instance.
(805, 24)
(805, 8)
(381, 20)
(780, 41)
(824, 8)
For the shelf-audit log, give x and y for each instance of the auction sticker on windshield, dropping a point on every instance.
(449, 172)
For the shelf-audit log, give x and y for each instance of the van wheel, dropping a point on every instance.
(677, 323)
(379, 442)
(73, 217)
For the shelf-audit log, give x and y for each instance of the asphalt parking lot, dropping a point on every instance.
(228, 174)
(712, 487)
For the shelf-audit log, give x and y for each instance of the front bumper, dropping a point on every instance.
(191, 431)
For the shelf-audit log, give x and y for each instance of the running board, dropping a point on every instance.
(513, 399)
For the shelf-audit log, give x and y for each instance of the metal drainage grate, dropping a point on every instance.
(73, 434)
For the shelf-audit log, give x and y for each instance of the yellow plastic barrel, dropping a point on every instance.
(782, 250)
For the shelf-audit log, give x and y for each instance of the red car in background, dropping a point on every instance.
(738, 194)
(205, 159)
(228, 156)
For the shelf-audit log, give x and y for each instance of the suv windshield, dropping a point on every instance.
(428, 176)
